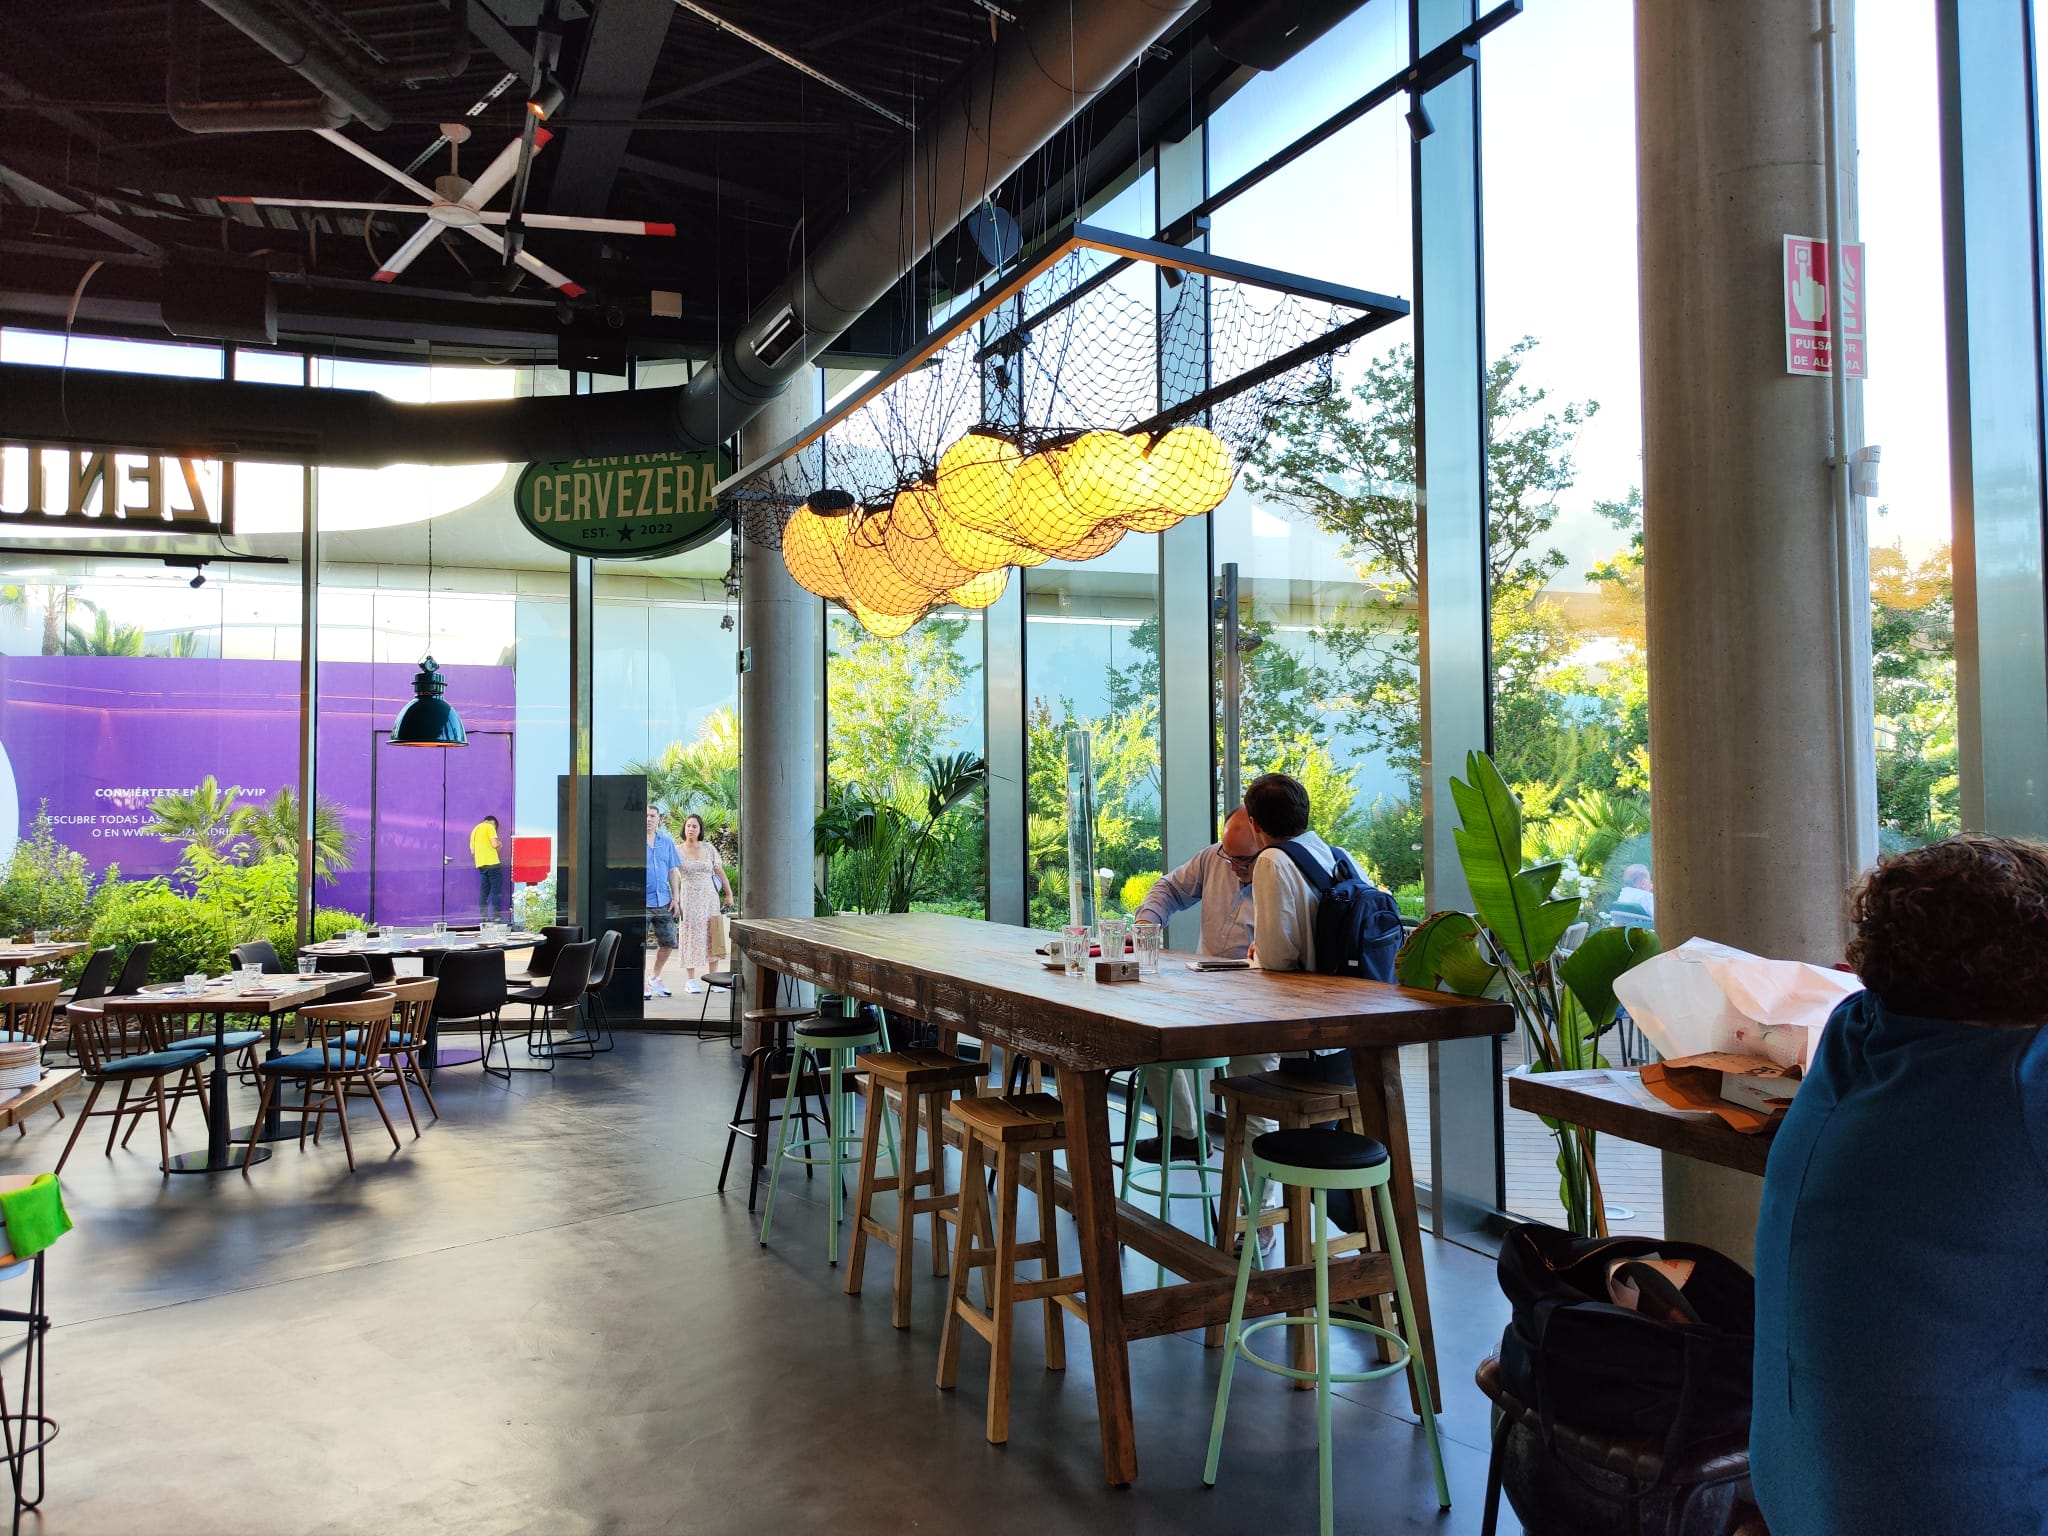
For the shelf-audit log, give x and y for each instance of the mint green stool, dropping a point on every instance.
(1323, 1160)
(829, 1043)
(1198, 1070)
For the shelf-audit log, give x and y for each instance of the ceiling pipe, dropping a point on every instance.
(343, 98)
(1004, 106)
(454, 61)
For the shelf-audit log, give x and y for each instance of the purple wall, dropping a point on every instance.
(94, 735)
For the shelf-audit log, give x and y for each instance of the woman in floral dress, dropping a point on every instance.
(703, 886)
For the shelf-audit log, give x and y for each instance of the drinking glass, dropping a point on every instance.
(1074, 947)
(252, 976)
(1147, 938)
(1113, 932)
(309, 965)
(440, 933)
(44, 935)
(195, 983)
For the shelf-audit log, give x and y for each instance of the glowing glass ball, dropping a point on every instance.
(974, 481)
(1106, 475)
(911, 540)
(814, 549)
(1194, 470)
(886, 625)
(1098, 541)
(982, 590)
(872, 580)
(1041, 514)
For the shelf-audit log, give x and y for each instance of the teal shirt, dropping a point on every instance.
(1902, 1285)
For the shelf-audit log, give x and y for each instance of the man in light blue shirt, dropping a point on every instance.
(664, 899)
(1219, 881)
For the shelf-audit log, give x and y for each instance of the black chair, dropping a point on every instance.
(549, 950)
(472, 991)
(92, 981)
(562, 993)
(719, 981)
(603, 963)
(135, 969)
(257, 952)
(379, 968)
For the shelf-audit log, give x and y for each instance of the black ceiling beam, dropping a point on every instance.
(485, 27)
(619, 53)
(722, 187)
(44, 196)
(875, 17)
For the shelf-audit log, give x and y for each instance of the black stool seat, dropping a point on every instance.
(1320, 1148)
(830, 1026)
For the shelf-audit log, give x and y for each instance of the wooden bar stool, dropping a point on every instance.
(1320, 1161)
(923, 1080)
(1293, 1104)
(1006, 1130)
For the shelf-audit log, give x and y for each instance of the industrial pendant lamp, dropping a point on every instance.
(429, 720)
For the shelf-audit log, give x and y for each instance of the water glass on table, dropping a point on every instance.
(1074, 942)
(43, 935)
(309, 965)
(1147, 939)
(195, 983)
(1114, 934)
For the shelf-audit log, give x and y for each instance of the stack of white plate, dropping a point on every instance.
(21, 1064)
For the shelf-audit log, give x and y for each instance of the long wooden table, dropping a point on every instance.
(16, 958)
(984, 980)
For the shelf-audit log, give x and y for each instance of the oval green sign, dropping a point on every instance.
(627, 508)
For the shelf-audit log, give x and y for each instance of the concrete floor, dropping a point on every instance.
(541, 1318)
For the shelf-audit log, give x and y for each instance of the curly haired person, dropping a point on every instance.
(1902, 1249)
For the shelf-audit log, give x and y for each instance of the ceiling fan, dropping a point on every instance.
(453, 203)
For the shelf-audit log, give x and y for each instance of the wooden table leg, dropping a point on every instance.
(1385, 1110)
(1086, 1097)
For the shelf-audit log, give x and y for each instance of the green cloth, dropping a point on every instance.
(35, 1216)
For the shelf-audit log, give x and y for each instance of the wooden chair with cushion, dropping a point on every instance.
(26, 1014)
(330, 1067)
(403, 1042)
(121, 1041)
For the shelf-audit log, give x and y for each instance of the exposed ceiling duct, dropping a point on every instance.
(341, 97)
(997, 112)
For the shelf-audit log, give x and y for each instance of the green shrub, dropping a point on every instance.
(1392, 843)
(534, 907)
(190, 935)
(1136, 889)
(45, 885)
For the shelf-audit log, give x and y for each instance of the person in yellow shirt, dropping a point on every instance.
(490, 873)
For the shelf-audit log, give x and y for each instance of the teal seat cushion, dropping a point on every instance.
(311, 1062)
(236, 1039)
(394, 1041)
(14, 1036)
(152, 1064)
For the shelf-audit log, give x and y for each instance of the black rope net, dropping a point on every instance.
(1109, 396)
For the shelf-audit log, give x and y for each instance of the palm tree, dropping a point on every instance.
(703, 777)
(105, 638)
(273, 829)
(206, 817)
(49, 602)
(181, 642)
(886, 841)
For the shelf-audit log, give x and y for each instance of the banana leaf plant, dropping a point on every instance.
(884, 841)
(1506, 948)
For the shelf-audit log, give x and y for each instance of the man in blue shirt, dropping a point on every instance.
(664, 898)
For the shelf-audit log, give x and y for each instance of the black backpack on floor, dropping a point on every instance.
(1358, 925)
(1577, 1358)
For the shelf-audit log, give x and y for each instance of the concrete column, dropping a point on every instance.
(1750, 690)
(780, 649)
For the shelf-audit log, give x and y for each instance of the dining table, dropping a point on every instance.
(272, 998)
(16, 958)
(986, 981)
(430, 949)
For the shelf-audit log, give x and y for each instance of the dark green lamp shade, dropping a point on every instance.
(428, 721)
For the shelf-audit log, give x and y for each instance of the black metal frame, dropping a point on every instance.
(15, 1422)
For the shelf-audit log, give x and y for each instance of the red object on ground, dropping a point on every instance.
(533, 859)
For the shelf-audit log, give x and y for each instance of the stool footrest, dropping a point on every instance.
(1355, 1325)
(1039, 1290)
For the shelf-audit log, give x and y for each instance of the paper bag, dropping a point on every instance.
(1704, 997)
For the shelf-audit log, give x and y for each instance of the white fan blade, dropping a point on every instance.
(501, 170)
(383, 168)
(570, 221)
(324, 202)
(403, 257)
(540, 269)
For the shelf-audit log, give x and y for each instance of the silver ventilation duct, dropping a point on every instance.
(1001, 109)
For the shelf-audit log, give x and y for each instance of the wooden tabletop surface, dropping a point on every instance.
(429, 945)
(965, 974)
(18, 1104)
(1616, 1103)
(280, 994)
(13, 956)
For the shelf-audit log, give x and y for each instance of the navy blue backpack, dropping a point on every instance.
(1358, 925)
